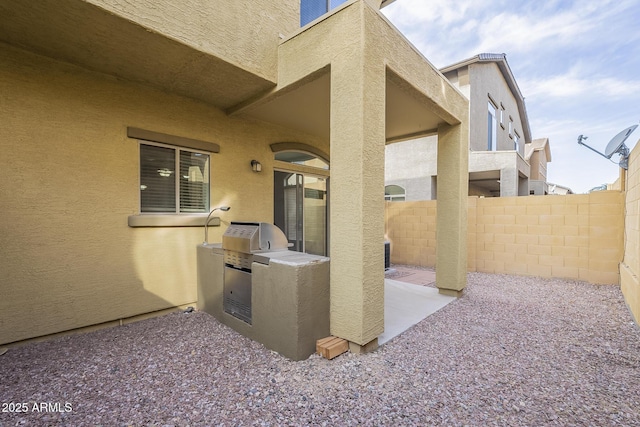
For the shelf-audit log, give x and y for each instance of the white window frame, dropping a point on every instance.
(397, 197)
(516, 140)
(492, 128)
(176, 177)
(145, 136)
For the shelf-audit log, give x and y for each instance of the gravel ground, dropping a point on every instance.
(512, 351)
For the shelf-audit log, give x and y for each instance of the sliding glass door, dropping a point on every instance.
(300, 210)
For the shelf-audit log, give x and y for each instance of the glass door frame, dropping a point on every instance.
(292, 168)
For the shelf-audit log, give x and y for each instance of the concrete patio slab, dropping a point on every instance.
(408, 274)
(406, 304)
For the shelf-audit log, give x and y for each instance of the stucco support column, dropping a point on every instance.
(523, 186)
(357, 200)
(451, 222)
(509, 182)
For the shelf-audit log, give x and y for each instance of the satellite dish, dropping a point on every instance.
(617, 141)
(615, 146)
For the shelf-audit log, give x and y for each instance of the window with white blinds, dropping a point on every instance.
(173, 179)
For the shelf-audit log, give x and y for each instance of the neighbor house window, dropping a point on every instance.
(173, 179)
(394, 193)
(510, 126)
(516, 140)
(312, 9)
(492, 127)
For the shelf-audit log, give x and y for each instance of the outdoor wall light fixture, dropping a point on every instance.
(256, 166)
(206, 223)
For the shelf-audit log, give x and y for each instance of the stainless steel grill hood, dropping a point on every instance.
(251, 237)
(239, 242)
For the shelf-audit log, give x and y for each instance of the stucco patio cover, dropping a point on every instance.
(353, 78)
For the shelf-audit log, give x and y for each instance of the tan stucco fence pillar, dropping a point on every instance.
(368, 63)
(357, 198)
(369, 58)
(451, 221)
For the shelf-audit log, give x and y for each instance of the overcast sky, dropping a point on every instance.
(577, 64)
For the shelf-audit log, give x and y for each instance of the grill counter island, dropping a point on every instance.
(252, 283)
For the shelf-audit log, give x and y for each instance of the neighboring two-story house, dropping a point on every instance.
(125, 123)
(499, 130)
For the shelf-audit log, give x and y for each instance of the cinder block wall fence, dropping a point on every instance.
(574, 236)
(593, 237)
(630, 265)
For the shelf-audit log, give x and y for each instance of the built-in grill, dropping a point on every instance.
(239, 242)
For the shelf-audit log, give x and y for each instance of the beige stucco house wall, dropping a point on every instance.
(239, 76)
(412, 166)
(69, 257)
(538, 154)
(502, 171)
